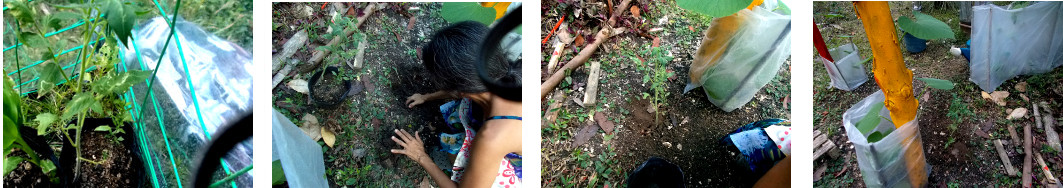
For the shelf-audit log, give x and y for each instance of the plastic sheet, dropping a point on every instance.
(1008, 43)
(847, 73)
(301, 158)
(888, 162)
(750, 59)
(203, 83)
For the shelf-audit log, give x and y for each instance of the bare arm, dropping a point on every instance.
(413, 147)
(496, 139)
(417, 98)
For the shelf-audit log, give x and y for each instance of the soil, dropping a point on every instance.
(687, 133)
(329, 88)
(969, 159)
(363, 123)
(26, 175)
(117, 163)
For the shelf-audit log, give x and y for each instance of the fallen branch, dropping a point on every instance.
(1004, 158)
(577, 61)
(319, 55)
(585, 54)
(1044, 169)
(1027, 177)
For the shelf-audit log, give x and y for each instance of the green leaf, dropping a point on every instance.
(78, 104)
(44, 121)
(32, 40)
(455, 12)
(10, 134)
(103, 128)
(278, 173)
(875, 137)
(115, 83)
(12, 103)
(120, 19)
(51, 74)
(714, 8)
(925, 27)
(871, 119)
(785, 9)
(938, 83)
(11, 163)
(21, 11)
(47, 166)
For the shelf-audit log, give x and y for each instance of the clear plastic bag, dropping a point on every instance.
(1008, 43)
(750, 59)
(898, 159)
(301, 158)
(846, 73)
(219, 73)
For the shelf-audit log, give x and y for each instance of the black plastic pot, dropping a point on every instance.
(335, 99)
(68, 157)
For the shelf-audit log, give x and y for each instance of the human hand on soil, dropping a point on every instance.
(415, 99)
(412, 146)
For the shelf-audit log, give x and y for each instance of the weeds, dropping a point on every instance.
(655, 72)
(958, 112)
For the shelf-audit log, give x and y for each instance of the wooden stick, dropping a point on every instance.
(1004, 158)
(577, 61)
(1044, 168)
(1027, 178)
(585, 54)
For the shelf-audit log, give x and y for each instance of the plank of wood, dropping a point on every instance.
(820, 138)
(296, 42)
(551, 111)
(591, 96)
(283, 73)
(1004, 158)
(827, 147)
(359, 58)
(1014, 135)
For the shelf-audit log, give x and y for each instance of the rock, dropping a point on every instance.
(305, 11)
(667, 144)
(1021, 86)
(585, 133)
(604, 122)
(1023, 96)
(1017, 113)
(679, 146)
(358, 153)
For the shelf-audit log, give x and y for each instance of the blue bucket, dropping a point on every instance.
(913, 44)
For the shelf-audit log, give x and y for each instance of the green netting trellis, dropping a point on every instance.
(168, 135)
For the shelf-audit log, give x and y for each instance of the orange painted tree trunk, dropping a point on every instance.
(894, 78)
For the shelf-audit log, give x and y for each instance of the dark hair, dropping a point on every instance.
(450, 57)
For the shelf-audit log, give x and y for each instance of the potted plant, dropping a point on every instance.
(922, 28)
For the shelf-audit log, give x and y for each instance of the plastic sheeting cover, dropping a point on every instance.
(847, 73)
(301, 158)
(884, 163)
(751, 59)
(220, 73)
(1008, 43)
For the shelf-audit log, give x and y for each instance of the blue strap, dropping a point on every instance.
(505, 117)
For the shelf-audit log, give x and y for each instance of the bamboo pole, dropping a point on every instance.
(895, 80)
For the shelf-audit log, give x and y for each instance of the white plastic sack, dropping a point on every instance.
(751, 59)
(847, 72)
(1008, 43)
(301, 158)
(886, 163)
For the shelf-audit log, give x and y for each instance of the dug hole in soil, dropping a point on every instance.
(689, 128)
(363, 122)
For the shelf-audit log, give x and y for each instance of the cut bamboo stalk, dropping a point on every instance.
(1027, 178)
